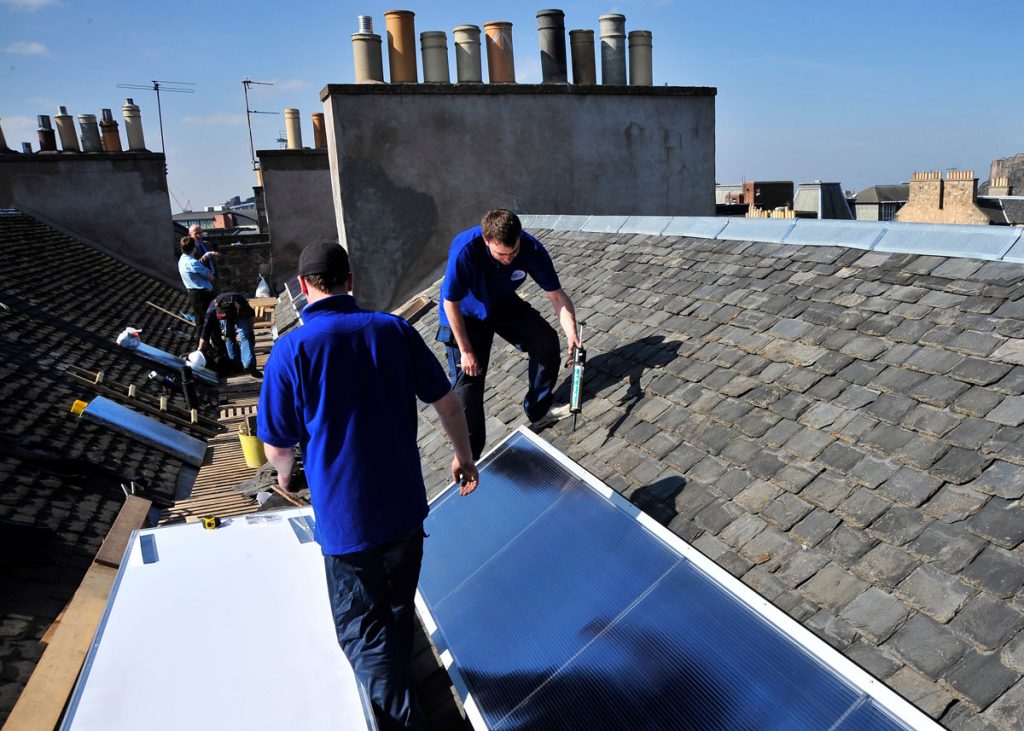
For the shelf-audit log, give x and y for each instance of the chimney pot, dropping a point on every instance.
(66, 129)
(434, 44)
(111, 138)
(133, 126)
(3, 142)
(47, 137)
(294, 128)
(468, 68)
(640, 64)
(366, 53)
(26, 148)
(613, 48)
(584, 68)
(401, 28)
(501, 67)
(366, 24)
(319, 131)
(90, 133)
(551, 33)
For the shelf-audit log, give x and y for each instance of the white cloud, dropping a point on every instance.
(290, 85)
(28, 4)
(27, 48)
(217, 119)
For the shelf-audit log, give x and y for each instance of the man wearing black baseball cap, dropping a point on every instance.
(344, 387)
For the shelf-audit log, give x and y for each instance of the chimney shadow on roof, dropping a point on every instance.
(630, 361)
(658, 498)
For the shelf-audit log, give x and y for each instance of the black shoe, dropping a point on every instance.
(255, 372)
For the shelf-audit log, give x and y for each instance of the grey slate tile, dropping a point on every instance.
(972, 433)
(977, 401)
(1000, 521)
(950, 547)
(934, 592)
(980, 678)
(808, 443)
(872, 659)
(814, 527)
(960, 465)
(898, 525)
(846, 545)
(876, 613)
(928, 696)
(826, 491)
(873, 471)
(833, 587)
(835, 631)
(885, 565)
(910, 486)
(954, 503)
(987, 622)
(1001, 479)
(785, 510)
(795, 475)
(996, 571)
(979, 371)
(928, 646)
(1007, 713)
(1010, 411)
(862, 507)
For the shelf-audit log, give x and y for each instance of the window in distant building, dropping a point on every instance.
(887, 211)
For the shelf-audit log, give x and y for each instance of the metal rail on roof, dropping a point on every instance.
(994, 243)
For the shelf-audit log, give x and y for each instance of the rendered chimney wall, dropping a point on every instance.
(47, 136)
(319, 131)
(501, 67)
(90, 133)
(66, 130)
(584, 68)
(640, 63)
(111, 137)
(293, 128)
(434, 44)
(551, 34)
(467, 54)
(133, 126)
(613, 49)
(401, 27)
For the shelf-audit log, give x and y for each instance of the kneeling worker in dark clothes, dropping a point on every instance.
(344, 386)
(486, 265)
(230, 315)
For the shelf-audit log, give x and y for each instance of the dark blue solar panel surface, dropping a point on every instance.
(562, 611)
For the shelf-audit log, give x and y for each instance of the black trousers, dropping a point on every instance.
(200, 300)
(522, 326)
(372, 595)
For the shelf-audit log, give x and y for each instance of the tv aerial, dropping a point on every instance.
(177, 87)
(246, 83)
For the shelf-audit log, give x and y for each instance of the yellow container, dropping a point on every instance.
(252, 448)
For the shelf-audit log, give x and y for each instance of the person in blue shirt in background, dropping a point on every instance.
(344, 386)
(486, 265)
(197, 275)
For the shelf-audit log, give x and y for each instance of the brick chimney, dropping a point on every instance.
(934, 200)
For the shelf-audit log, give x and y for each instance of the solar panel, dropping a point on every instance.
(558, 604)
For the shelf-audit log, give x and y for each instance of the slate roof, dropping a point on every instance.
(63, 304)
(841, 429)
(897, 193)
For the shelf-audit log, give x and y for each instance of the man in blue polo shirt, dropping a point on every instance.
(486, 265)
(344, 387)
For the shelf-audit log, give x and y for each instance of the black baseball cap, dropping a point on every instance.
(324, 257)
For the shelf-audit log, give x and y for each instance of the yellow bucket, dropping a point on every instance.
(252, 448)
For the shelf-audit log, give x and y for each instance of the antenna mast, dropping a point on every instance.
(246, 83)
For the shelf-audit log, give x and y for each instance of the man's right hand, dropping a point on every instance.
(468, 363)
(466, 475)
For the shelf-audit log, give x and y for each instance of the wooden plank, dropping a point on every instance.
(131, 517)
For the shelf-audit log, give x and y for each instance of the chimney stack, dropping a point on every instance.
(319, 131)
(366, 53)
(401, 27)
(435, 57)
(640, 63)
(467, 54)
(1000, 186)
(3, 142)
(584, 68)
(294, 128)
(66, 130)
(501, 68)
(133, 126)
(551, 33)
(90, 133)
(613, 49)
(111, 137)
(47, 137)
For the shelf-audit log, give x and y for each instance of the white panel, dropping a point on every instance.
(229, 628)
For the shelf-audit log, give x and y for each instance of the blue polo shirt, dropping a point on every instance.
(344, 386)
(478, 281)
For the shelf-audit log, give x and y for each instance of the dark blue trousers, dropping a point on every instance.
(372, 594)
(522, 326)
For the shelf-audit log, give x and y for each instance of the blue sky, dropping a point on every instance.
(861, 93)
